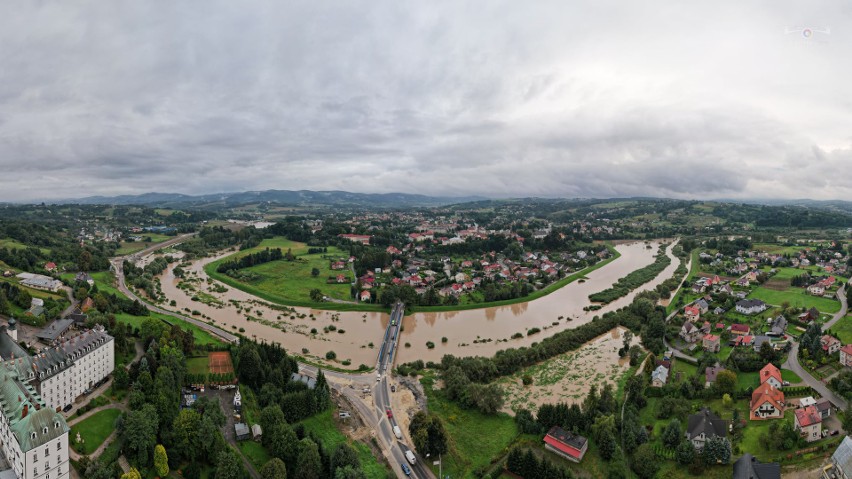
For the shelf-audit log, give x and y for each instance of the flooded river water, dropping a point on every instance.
(236, 309)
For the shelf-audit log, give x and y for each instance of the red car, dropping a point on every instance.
(390, 414)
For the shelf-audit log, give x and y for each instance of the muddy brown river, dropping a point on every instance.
(467, 332)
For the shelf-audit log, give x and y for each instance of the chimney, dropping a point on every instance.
(25, 411)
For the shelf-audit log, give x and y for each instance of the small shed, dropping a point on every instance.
(256, 432)
(241, 431)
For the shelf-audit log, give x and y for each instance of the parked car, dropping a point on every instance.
(393, 388)
(785, 383)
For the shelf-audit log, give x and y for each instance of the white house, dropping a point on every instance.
(751, 306)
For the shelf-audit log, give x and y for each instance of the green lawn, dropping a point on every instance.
(255, 453)
(748, 380)
(198, 365)
(93, 430)
(788, 375)
(797, 297)
(843, 329)
(476, 438)
(326, 430)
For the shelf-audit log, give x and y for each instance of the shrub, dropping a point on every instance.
(430, 344)
(331, 355)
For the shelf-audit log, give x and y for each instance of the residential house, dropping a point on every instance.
(710, 374)
(824, 407)
(748, 467)
(50, 266)
(767, 402)
(841, 462)
(778, 326)
(702, 305)
(725, 288)
(568, 445)
(809, 315)
(816, 290)
(365, 295)
(719, 311)
(703, 426)
(759, 341)
(746, 340)
(808, 422)
(692, 313)
(711, 343)
(772, 375)
(738, 329)
(751, 306)
(659, 376)
(846, 356)
(689, 332)
(830, 344)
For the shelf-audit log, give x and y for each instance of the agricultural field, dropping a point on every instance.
(569, 377)
(291, 282)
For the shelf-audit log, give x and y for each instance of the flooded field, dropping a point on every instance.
(569, 378)
(472, 332)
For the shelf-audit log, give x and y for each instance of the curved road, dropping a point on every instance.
(347, 384)
(792, 362)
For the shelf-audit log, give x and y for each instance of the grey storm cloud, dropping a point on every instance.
(550, 98)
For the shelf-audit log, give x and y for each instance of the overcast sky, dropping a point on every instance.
(495, 98)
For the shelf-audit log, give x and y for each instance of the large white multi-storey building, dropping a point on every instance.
(34, 388)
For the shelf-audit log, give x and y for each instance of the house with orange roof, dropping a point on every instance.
(772, 375)
(767, 402)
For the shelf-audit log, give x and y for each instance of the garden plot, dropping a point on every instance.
(569, 377)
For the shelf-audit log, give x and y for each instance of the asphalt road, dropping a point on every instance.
(792, 362)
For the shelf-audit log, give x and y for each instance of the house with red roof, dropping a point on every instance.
(365, 295)
(341, 278)
(808, 422)
(393, 250)
(771, 374)
(767, 402)
(740, 329)
(746, 340)
(692, 313)
(570, 446)
(50, 266)
(337, 265)
(846, 355)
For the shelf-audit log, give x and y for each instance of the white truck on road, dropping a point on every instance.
(397, 432)
(410, 456)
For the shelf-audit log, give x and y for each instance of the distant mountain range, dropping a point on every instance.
(376, 200)
(281, 197)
